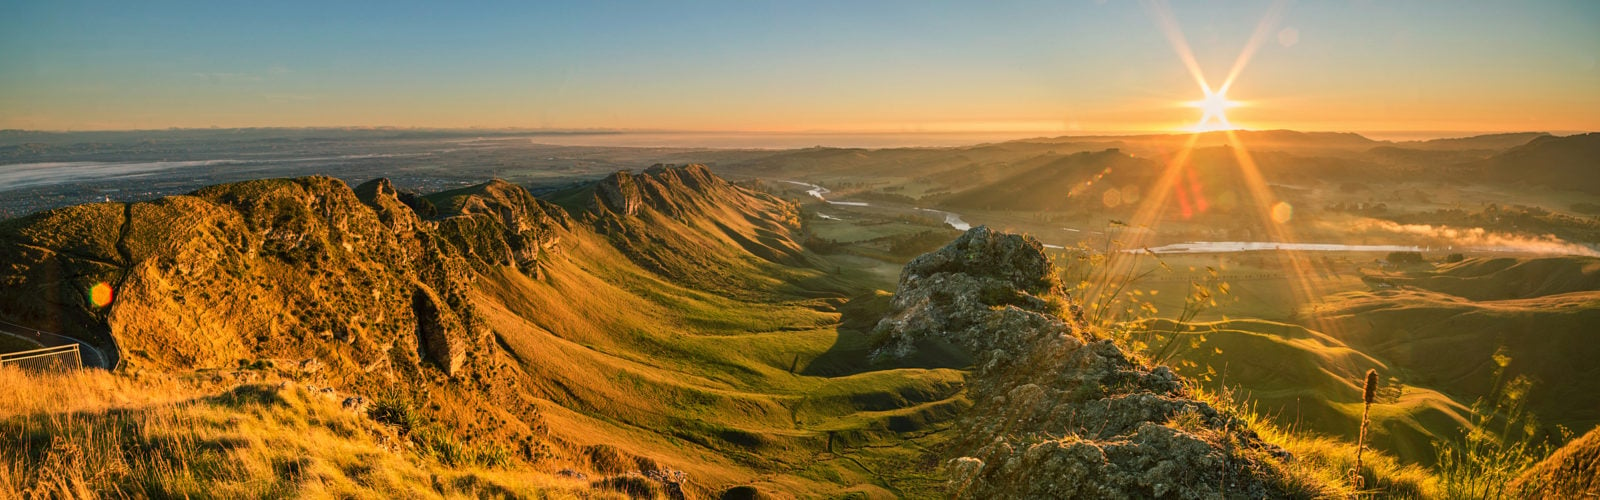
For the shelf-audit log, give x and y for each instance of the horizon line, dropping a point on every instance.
(1415, 134)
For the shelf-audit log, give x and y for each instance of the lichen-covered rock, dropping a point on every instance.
(982, 290)
(1057, 413)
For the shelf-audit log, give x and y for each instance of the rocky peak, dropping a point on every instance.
(961, 292)
(514, 206)
(1058, 414)
(618, 193)
(670, 189)
(1015, 260)
(500, 223)
(381, 195)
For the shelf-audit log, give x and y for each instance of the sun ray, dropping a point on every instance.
(1263, 30)
(1301, 269)
(1162, 12)
(1140, 228)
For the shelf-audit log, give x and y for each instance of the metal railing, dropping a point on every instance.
(89, 354)
(58, 358)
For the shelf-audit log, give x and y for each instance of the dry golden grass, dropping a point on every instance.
(92, 434)
(84, 390)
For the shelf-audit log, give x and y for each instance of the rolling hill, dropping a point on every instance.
(1556, 162)
(1438, 337)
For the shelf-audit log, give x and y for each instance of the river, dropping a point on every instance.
(951, 218)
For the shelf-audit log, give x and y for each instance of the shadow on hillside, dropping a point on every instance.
(851, 353)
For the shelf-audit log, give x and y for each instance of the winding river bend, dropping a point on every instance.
(951, 218)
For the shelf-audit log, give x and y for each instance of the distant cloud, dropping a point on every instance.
(1473, 238)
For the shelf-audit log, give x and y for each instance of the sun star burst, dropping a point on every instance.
(1214, 111)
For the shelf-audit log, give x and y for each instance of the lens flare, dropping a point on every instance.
(1112, 198)
(1282, 212)
(100, 295)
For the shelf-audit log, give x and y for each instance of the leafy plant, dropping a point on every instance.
(1503, 440)
(1106, 284)
(395, 409)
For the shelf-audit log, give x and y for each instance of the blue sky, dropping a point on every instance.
(788, 66)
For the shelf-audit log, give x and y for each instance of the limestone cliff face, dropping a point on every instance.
(281, 268)
(1057, 413)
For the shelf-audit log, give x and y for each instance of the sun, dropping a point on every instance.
(1214, 111)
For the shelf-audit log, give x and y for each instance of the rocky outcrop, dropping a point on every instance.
(440, 333)
(275, 268)
(381, 195)
(670, 189)
(499, 223)
(1057, 413)
(978, 289)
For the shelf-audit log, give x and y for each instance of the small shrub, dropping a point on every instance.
(1188, 419)
(396, 410)
(491, 456)
(608, 459)
(1502, 441)
(435, 442)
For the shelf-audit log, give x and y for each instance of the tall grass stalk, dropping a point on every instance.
(1368, 392)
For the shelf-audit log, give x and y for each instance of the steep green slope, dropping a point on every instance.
(1456, 346)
